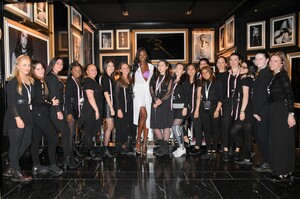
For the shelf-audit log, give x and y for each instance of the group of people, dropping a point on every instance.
(228, 106)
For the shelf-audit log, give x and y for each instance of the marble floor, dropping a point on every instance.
(152, 177)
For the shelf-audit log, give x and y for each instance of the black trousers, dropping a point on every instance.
(63, 127)
(242, 136)
(91, 128)
(124, 126)
(197, 127)
(226, 123)
(19, 141)
(43, 126)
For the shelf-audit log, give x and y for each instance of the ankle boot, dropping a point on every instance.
(158, 148)
(166, 147)
(70, 162)
(162, 150)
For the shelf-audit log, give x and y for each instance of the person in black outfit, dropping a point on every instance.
(57, 113)
(92, 109)
(261, 109)
(42, 123)
(282, 143)
(210, 107)
(74, 99)
(242, 128)
(124, 107)
(18, 119)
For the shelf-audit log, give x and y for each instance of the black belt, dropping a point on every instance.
(22, 101)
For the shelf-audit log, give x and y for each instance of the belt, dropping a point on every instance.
(22, 101)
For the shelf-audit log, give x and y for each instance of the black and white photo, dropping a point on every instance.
(106, 40)
(256, 35)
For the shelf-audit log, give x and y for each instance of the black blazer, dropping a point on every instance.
(56, 89)
(41, 102)
(71, 100)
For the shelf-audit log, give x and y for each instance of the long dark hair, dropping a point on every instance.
(196, 69)
(252, 68)
(29, 46)
(183, 76)
(212, 77)
(122, 79)
(167, 73)
(34, 64)
(105, 65)
(136, 60)
(75, 64)
(52, 63)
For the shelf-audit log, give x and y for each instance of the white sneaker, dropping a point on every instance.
(180, 151)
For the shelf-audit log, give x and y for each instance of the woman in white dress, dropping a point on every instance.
(142, 73)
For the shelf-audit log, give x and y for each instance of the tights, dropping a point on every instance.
(177, 130)
(240, 132)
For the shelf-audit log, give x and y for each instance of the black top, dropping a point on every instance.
(41, 102)
(181, 93)
(124, 96)
(71, 100)
(193, 95)
(108, 85)
(281, 90)
(17, 105)
(214, 92)
(56, 89)
(259, 92)
(222, 77)
(163, 90)
(230, 87)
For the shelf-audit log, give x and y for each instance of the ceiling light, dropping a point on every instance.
(125, 13)
(189, 12)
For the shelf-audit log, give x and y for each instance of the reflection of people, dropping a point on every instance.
(255, 36)
(21, 6)
(76, 47)
(284, 34)
(106, 41)
(41, 11)
(123, 39)
(230, 33)
(202, 48)
(76, 19)
(23, 47)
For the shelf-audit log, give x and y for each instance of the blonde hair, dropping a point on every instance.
(284, 60)
(16, 73)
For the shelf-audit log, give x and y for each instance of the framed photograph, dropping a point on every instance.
(256, 35)
(21, 9)
(19, 39)
(76, 19)
(293, 71)
(203, 43)
(227, 53)
(63, 74)
(41, 14)
(88, 44)
(62, 40)
(106, 39)
(222, 38)
(123, 39)
(169, 44)
(251, 57)
(76, 47)
(230, 33)
(117, 57)
(282, 30)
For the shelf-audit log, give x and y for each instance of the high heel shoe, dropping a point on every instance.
(138, 147)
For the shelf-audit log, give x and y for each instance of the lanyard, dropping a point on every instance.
(207, 90)
(29, 94)
(193, 97)
(110, 88)
(228, 83)
(78, 96)
(158, 85)
(125, 99)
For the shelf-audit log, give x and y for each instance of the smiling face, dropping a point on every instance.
(110, 68)
(275, 64)
(234, 61)
(143, 56)
(58, 66)
(205, 74)
(76, 72)
(125, 70)
(191, 70)
(260, 60)
(179, 70)
(162, 67)
(244, 69)
(23, 65)
(39, 71)
(221, 64)
(91, 71)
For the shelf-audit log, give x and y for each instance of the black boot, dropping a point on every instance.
(158, 148)
(70, 162)
(163, 150)
(166, 147)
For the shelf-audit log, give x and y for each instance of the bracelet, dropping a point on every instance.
(291, 113)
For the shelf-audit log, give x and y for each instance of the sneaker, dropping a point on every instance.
(20, 176)
(39, 169)
(244, 162)
(276, 178)
(55, 170)
(180, 151)
(9, 172)
(265, 167)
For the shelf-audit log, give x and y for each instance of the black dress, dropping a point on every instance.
(161, 117)
(73, 95)
(282, 143)
(181, 98)
(108, 85)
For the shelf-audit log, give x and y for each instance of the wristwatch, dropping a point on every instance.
(291, 113)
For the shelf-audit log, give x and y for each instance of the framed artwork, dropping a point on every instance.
(62, 40)
(294, 71)
(282, 30)
(203, 43)
(251, 57)
(21, 9)
(256, 35)
(76, 19)
(88, 44)
(63, 74)
(117, 57)
(41, 14)
(230, 33)
(106, 39)
(169, 44)
(222, 38)
(19, 39)
(77, 47)
(227, 53)
(123, 39)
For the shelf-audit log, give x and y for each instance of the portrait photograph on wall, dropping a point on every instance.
(41, 15)
(106, 40)
(77, 47)
(230, 33)
(203, 43)
(170, 44)
(62, 40)
(88, 44)
(222, 38)
(76, 19)
(256, 35)
(21, 9)
(282, 30)
(123, 39)
(294, 71)
(116, 57)
(19, 40)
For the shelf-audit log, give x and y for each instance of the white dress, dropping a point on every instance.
(142, 95)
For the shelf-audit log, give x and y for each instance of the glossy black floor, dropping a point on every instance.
(152, 177)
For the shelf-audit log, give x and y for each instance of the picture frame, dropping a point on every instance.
(22, 9)
(222, 38)
(63, 41)
(13, 32)
(41, 14)
(106, 39)
(256, 35)
(203, 42)
(123, 39)
(88, 44)
(76, 19)
(293, 72)
(283, 31)
(169, 44)
(251, 57)
(230, 33)
(76, 47)
(117, 57)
